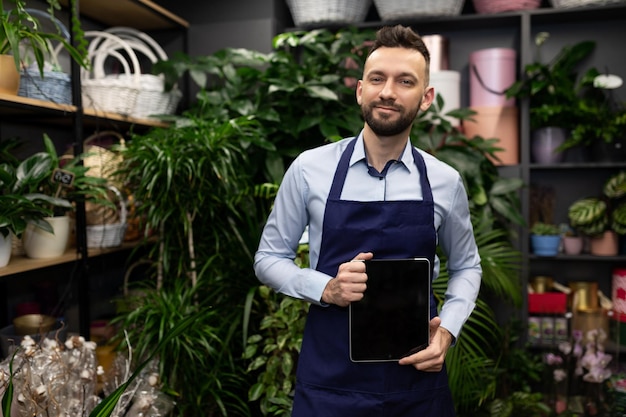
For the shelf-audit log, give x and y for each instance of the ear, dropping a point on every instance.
(429, 97)
(359, 91)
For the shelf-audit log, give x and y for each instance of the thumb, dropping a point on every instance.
(363, 256)
(434, 324)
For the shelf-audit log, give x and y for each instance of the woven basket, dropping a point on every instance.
(55, 86)
(109, 235)
(566, 4)
(152, 99)
(115, 93)
(317, 12)
(408, 9)
(499, 6)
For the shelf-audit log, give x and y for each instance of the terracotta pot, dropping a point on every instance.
(9, 76)
(605, 244)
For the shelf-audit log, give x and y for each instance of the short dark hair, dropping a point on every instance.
(399, 36)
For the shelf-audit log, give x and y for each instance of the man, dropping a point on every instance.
(372, 196)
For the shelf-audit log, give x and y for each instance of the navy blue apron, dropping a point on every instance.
(328, 383)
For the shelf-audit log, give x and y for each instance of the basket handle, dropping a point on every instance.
(57, 22)
(130, 34)
(104, 133)
(123, 210)
(106, 44)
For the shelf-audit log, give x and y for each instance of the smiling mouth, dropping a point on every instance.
(386, 108)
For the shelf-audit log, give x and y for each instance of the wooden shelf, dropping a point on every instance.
(93, 117)
(139, 14)
(19, 264)
(26, 105)
(52, 113)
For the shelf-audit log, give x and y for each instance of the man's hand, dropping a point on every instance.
(433, 357)
(350, 282)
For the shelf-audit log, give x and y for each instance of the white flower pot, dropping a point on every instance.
(6, 245)
(41, 244)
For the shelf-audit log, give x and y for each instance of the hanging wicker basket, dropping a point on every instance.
(320, 12)
(409, 9)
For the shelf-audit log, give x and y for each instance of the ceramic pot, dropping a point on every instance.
(41, 244)
(6, 246)
(545, 245)
(573, 245)
(605, 244)
(9, 76)
(545, 142)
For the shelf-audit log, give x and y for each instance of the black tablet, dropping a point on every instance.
(392, 319)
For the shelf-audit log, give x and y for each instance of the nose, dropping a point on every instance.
(388, 91)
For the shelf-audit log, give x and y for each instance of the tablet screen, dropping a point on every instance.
(392, 319)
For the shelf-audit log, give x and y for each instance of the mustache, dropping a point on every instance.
(386, 103)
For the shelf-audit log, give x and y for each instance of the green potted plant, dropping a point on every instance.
(553, 89)
(601, 119)
(21, 29)
(602, 218)
(54, 185)
(16, 211)
(545, 239)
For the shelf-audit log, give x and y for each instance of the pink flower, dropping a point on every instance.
(552, 359)
(559, 375)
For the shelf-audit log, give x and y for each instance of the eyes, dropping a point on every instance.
(405, 81)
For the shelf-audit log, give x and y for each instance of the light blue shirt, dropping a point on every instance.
(301, 201)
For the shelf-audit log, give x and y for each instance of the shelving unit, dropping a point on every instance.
(144, 15)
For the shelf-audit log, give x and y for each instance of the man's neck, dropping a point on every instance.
(381, 149)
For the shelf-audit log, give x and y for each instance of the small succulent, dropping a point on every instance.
(545, 229)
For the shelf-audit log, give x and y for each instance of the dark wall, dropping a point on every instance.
(249, 24)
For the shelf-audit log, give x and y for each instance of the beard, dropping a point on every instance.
(383, 125)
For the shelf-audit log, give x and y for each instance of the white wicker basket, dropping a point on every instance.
(152, 99)
(109, 235)
(110, 92)
(408, 9)
(566, 4)
(317, 12)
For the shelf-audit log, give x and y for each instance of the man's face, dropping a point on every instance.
(393, 90)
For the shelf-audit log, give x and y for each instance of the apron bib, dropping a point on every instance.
(328, 383)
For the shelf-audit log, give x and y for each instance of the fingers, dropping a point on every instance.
(349, 284)
(433, 357)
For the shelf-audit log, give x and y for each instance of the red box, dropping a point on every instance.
(547, 303)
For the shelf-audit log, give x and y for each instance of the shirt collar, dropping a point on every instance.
(358, 154)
